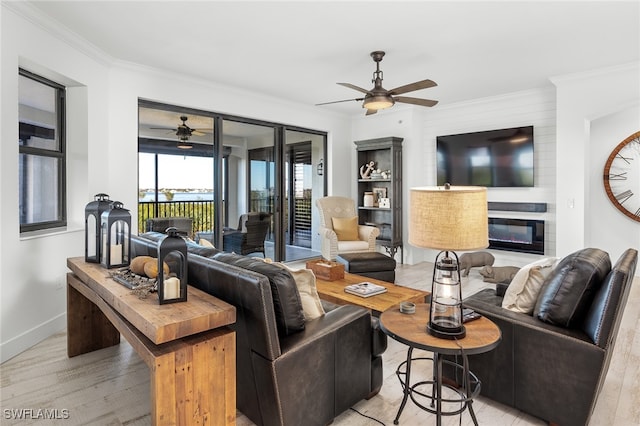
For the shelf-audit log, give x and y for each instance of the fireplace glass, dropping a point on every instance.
(522, 235)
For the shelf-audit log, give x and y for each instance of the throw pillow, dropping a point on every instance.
(522, 293)
(286, 298)
(306, 283)
(346, 228)
(568, 292)
(205, 243)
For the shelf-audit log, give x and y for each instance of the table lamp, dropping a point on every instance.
(448, 218)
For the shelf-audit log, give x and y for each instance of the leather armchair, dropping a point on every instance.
(160, 224)
(342, 207)
(550, 371)
(249, 236)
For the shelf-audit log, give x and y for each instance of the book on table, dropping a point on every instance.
(365, 289)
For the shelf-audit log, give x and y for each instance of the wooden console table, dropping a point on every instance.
(189, 350)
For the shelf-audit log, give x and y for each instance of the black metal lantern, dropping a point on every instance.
(115, 227)
(92, 217)
(172, 281)
(445, 319)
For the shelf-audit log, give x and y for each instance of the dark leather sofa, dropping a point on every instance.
(550, 369)
(288, 371)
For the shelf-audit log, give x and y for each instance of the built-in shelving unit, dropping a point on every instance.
(386, 153)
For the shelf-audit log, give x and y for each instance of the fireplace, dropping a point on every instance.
(522, 235)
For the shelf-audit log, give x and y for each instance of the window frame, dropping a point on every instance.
(59, 154)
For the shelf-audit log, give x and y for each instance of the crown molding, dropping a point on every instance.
(628, 67)
(43, 21)
(549, 89)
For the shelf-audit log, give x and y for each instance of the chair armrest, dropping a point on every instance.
(379, 338)
(369, 234)
(379, 343)
(329, 243)
(335, 320)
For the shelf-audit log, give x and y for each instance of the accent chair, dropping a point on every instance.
(339, 228)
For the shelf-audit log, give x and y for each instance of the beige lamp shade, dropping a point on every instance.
(448, 219)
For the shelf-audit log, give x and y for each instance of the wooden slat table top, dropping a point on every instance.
(160, 323)
(334, 292)
(411, 329)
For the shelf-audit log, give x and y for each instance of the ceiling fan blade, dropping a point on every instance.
(164, 128)
(351, 86)
(415, 101)
(197, 133)
(424, 84)
(371, 111)
(344, 100)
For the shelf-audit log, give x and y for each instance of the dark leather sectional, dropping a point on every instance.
(289, 372)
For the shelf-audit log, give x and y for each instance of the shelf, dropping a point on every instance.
(374, 208)
(386, 153)
(373, 180)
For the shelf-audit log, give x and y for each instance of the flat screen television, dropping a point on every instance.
(495, 158)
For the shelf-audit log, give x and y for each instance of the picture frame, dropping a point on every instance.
(378, 193)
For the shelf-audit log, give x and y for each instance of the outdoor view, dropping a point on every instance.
(185, 188)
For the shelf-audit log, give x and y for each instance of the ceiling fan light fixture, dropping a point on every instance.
(378, 102)
(184, 145)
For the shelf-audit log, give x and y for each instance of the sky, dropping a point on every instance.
(185, 172)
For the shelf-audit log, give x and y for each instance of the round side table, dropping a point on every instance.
(411, 329)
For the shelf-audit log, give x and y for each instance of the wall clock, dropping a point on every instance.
(622, 176)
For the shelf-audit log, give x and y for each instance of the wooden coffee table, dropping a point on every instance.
(333, 291)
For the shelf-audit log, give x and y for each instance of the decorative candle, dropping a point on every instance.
(116, 254)
(172, 288)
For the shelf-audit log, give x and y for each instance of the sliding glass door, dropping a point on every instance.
(216, 168)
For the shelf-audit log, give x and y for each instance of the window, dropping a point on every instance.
(42, 199)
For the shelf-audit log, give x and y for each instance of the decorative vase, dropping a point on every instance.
(368, 199)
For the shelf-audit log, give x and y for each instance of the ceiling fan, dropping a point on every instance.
(183, 132)
(380, 98)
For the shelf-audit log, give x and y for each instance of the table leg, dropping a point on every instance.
(438, 396)
(196, 383)
(88, 329)
(406, 386)
(467, 387)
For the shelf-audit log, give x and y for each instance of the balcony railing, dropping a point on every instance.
(202, 214)
(200, 211)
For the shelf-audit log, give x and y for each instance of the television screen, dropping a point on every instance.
(495, 158)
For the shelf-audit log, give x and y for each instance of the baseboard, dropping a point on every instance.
(37, 334)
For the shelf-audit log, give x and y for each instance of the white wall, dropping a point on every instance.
(32, 286)
(420, 127)
(581, 99)
(607, 227)
(102, 152)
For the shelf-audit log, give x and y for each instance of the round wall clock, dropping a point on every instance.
(622, 176)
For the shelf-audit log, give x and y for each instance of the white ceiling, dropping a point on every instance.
(299, 50)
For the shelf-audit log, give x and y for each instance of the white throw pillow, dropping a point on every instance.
(205, 243)
(306, 283)
(522, 293)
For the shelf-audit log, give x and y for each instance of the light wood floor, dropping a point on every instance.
(111, 386)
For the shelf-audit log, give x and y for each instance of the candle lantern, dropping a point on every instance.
(92, 235)
(172, 268)
(115, 226)
(445, 319)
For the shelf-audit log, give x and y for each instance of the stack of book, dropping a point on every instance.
(365, 289)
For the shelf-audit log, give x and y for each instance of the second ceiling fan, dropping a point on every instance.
(380, 98)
